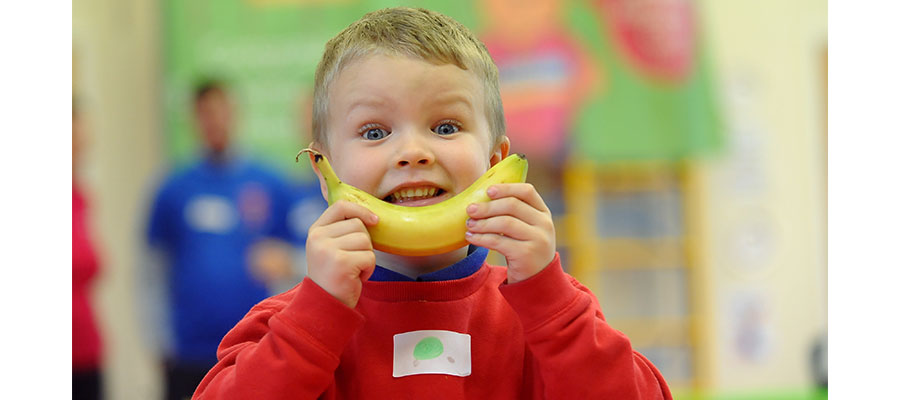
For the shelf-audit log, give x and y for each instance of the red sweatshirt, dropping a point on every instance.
(542, 338)
(86, 345)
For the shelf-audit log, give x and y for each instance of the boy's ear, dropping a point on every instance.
(501, 150)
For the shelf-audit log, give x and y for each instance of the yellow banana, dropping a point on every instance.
(420, 231)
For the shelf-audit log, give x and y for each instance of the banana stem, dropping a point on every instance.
(306, 150)
(323, 165)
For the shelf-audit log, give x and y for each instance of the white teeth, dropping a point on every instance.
(408, 194)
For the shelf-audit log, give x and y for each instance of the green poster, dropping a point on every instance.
(564, 78)
(267, 52)
(658, 101)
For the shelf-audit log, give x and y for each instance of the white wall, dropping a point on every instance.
(116, 77)
(765, 199)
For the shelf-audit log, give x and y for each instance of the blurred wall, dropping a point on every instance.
(763, 203)
(116, 75)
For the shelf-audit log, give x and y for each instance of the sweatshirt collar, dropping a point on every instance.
(461, 269)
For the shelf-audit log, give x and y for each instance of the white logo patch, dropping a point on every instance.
(212, 214)
(432, 352)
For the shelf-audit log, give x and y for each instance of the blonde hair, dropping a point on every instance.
(412, 32)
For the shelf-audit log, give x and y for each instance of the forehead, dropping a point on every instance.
(381, 75)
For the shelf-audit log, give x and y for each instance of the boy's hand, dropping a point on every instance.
(517, 224)
(339, 250)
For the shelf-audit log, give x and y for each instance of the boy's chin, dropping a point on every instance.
(416, 265)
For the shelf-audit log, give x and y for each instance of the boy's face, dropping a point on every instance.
(408, 131)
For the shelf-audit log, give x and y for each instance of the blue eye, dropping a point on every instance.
(446, 128)
(375, 134)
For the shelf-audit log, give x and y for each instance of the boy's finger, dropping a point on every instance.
(343, 209)
(511, 206)
(342, 227)
(369, 266)
(502, 244)
(522, 191)
(505, 225)
(355, 241)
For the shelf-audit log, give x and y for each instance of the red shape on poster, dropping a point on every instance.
(655, 36)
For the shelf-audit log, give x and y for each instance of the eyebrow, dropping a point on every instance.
(452, 99)
(368, 102)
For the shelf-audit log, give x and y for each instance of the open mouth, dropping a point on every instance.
(413, 194)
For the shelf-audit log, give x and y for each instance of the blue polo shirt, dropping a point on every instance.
(205, 217)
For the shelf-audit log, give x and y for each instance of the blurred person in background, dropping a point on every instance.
(87, 348)
(218, 239)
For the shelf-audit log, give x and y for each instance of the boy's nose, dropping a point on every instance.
(417, 159)
(413, 152)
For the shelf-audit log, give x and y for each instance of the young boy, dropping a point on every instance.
(407, 107)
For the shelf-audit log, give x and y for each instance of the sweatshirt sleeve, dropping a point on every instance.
(286, 347)
(577, 355)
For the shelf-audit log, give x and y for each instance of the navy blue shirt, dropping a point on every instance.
(463, 268)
